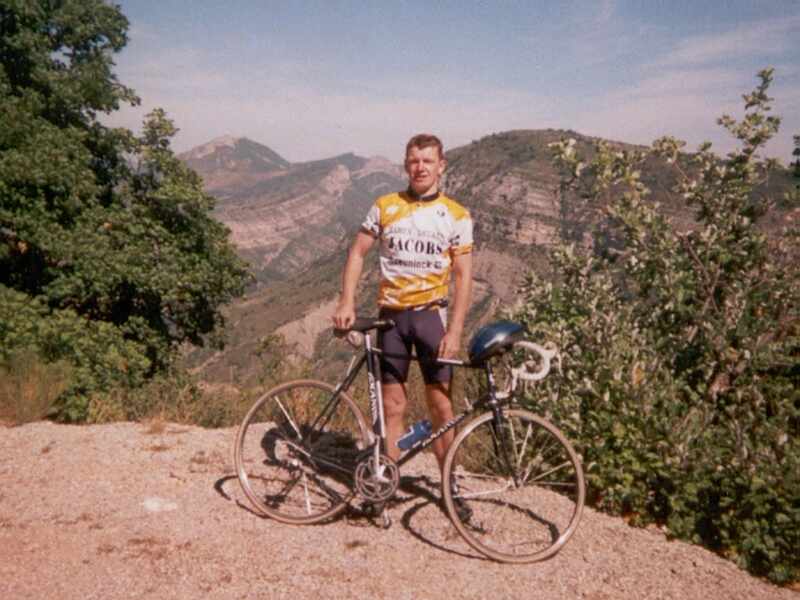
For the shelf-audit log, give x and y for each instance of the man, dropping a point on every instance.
(424, 237)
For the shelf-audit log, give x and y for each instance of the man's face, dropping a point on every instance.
(424, 167)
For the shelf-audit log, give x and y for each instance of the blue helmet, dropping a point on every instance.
(493, 339)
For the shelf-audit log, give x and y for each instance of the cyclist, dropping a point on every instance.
(424, 237)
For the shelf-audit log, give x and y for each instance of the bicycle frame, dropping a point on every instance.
(371, 357)
(304, 451)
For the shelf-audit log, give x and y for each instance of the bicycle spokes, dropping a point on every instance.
(297, 449)
(522, 483)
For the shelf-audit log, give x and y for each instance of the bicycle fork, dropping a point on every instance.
(500, 437)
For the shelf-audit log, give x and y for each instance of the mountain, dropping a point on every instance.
(294, 222)
(226, 162)
(284, 216)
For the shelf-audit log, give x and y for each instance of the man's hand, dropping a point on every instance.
(344, 316)
(450, 344)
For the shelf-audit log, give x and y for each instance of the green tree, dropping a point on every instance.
(796, 154)
(681, 348)
(108, 253)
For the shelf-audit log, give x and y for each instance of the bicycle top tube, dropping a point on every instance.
(456, 362)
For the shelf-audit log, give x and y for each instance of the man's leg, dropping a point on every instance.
(440, 408)
(394, 409)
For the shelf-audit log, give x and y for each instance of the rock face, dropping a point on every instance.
(284, 216)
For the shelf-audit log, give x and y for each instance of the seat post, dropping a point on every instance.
(490, 383)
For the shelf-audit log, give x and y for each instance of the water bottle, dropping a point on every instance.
(416, 433)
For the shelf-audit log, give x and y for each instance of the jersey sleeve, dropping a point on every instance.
(372, 222)
(461, 240)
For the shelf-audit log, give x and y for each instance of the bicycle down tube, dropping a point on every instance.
(376, 409)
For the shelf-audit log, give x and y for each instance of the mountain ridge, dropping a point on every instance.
(295, 224)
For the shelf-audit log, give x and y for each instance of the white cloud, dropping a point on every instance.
(686, 104)
(684, 91)
(763, 38)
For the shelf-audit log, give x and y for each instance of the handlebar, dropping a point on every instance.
(547, 353)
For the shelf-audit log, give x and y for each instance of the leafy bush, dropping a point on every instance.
(681, 348)
(101, 357)
(108, 236)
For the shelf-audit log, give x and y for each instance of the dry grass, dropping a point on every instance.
(173, 398)
(202, 461)
(29, 387)
(200, 458)
(106, 549)
(158, 448)
(155, 425)
(148, 547)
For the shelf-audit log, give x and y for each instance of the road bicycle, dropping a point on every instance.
(304, 451)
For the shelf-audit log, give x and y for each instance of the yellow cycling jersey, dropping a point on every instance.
(418, 240)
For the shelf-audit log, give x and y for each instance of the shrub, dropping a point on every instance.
(100, 356)
(681, 349)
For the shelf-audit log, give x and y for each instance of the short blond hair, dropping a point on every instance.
(425, 140)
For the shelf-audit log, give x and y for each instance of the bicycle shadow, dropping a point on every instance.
(418, 489)
(422, 486)
(219, 487)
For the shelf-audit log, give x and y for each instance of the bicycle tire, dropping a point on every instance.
(521, 522)
(291, 469)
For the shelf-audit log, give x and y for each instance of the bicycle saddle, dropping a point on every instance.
(493, 339)
(363, 325)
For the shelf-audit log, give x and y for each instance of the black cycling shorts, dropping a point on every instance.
(422, 329)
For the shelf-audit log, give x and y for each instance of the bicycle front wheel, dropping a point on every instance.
(516, 488)
(296, 451)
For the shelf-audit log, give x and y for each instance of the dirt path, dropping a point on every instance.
(121, 511)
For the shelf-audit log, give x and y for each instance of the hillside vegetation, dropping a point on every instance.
(681, 347)
(109, 257)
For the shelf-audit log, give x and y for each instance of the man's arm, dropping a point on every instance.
(345, 313)
(462, 279)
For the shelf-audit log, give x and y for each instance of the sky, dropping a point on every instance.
(314, 79)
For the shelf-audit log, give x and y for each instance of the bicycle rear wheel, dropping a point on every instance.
(522, 483)
(296, 449)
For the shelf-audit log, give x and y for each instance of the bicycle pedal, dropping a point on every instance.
(373, 510)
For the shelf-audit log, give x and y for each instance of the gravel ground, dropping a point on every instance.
(139, 511)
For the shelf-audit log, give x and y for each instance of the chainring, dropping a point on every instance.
(376, 485)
